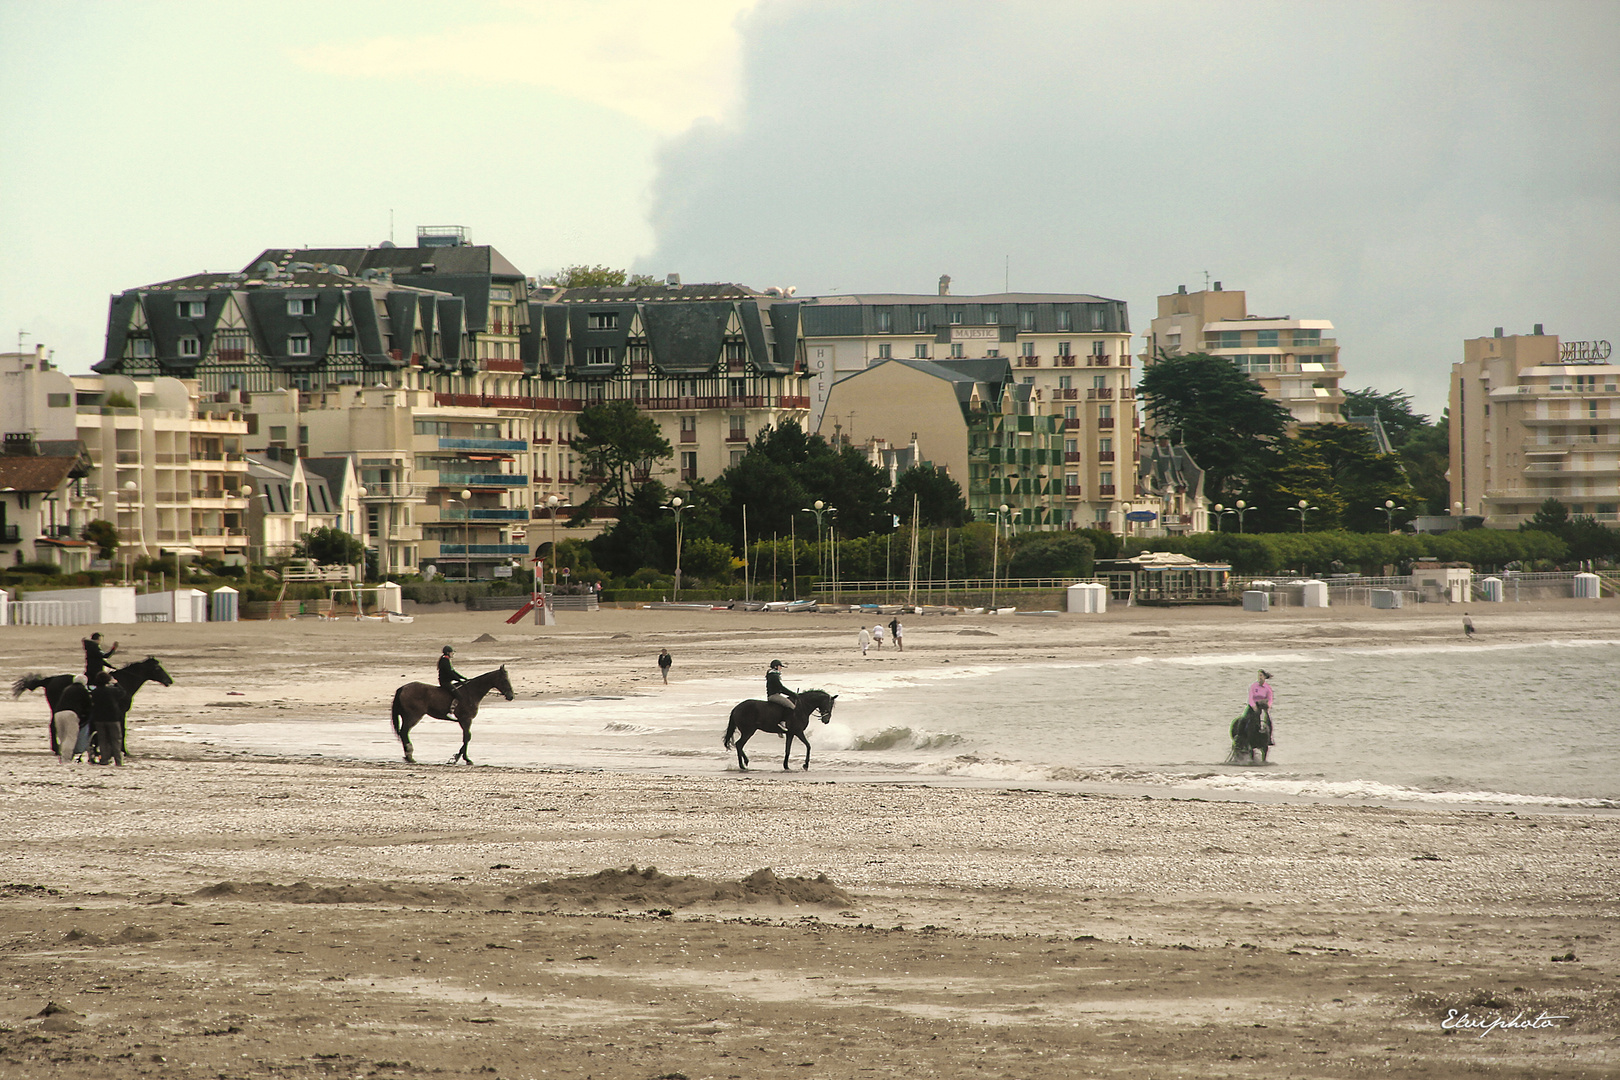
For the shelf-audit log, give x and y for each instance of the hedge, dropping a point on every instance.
(1368, 553)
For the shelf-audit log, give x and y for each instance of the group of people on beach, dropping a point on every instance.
(874, 637)
(92, 704)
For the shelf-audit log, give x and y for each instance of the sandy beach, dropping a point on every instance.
(207, 913)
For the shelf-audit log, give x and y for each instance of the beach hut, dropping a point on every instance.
(223, 605)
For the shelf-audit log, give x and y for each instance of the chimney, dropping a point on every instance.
(1181, 290)
(1498, 331)
(1217, 286)
(672, 280)
(1538, 330)
(944, 284)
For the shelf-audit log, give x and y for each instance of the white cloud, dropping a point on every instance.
(666, 65)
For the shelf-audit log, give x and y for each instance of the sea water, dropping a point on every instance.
(1471, 724)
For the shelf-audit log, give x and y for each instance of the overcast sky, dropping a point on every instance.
(1415, 173)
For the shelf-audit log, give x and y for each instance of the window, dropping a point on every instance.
(992, 316)
(688, 464)
(993, 354)
(739, 427)
(190, 346)
(1265, 339)
(1029, 380)
(1026, 318)
(885, 351)
(278, 433)
(432, 427)
(143, 347)
(685, 388)
(920, 351)
(1071, 412)
(1099, 382)
(1105, 446)
(1065, 319)
(300, 305)
(343, 344)
(1098, 347)
(1026, 348)
(689, 423)
(1174, 342)
(1226, 339)
(1071, 480)
(1591, 408)
(58, 401)
(1065, 382)
(1105, 412)
(595, 391)
(599, 354)
(1096, 316)
(919, 321)
(883, 318)
(1307, 338)
(1106, 478)
(191, 309)
(736, 457)
(956, 350)
(298, 345)
(737, 388)
(1063, 348)
(602, 320)
(956, 316)
(501, 293)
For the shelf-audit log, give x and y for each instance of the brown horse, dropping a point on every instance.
(415, 700)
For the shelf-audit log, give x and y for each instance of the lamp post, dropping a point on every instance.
(1302, 509)
(1220, 511)
(677, 505)
(552, 503)
(995, 555)
(1242, 508)
(1389, 509)
(466, 548)
(818, 508)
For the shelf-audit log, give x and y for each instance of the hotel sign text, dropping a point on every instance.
(1576, 351)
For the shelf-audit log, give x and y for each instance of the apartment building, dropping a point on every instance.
(1533, 418)
(1295, 361)
(1069, 356)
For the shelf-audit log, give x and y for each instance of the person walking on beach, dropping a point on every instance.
(865, 640)
(664, 660)
(95, 661)
(1468, 625)
(775, 691)
(895, 629)
(877, 635)
(108, 704)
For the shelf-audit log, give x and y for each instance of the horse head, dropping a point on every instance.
(504, 684)
(155, 672)
(822, 703)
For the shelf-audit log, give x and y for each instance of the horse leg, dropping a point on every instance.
(802, 738)
(405, 725)
(466, 737)
(742, 758)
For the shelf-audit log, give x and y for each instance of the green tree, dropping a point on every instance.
(614, 439)
(1426, 456)
(786, 470)
(1225, 420)
(581, 276)
(1393, 409)
(103, 534)
(330, 547)
(1337, 467)
(1585, 537)
(1052, 554)
(939, 498)
(705, 558)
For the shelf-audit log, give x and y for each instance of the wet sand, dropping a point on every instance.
(201, 913)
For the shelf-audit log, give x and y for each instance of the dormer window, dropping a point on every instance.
(190, 346)
(143, 347)
(191, 309)
(298, 344)
(603, 320)
(343, 344)
(300, 305)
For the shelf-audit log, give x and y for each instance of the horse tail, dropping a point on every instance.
(731, 728)
(31, 681)
(394, 714)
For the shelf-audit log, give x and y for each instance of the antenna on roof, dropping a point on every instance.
(390, 226)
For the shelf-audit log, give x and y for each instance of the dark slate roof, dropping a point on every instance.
(644, 294)
(334, 473)
(856, 314)
(460, 259)
(1163, 469)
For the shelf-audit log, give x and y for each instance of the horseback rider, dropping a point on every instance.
(95, 661)
(449, 677)
(1260, 699)
(775, 691)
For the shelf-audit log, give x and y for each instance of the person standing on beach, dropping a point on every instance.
(865, 640)
(95, 661)
(664, 660)
(1468, 625)
(896, 629)
(877, 635)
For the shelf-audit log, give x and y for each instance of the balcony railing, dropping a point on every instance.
(454, 479)
(1105, 455)
(483, 549)
(1106, 490)
(1071, 457)
(688, 435)
(1105, 421)
(478, 513)
(1100, 393)
(1071, 423)
(375, 491)
(500, 445)
(1072, 491)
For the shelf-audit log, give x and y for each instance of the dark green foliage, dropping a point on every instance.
(1106, 544)
(330, 547)
(1426, 455)
(103, 534)
(1337, 469)
(1586, 537)
(1052, 554)
(1225, 420)
(786, 470)
(614, 439)
(1394, 410)
(705, 558)
(938, 498)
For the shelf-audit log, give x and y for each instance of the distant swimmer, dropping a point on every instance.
(1468, 625)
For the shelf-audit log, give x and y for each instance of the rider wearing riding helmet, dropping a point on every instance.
(775, 691)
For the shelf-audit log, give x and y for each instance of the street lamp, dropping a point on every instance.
(466, 548)
(1220, 512)
(995, 555)
(552, 503)
(1242, 508)
(1303, 508)
(818, 508)
(676, 505)
(1389, 509)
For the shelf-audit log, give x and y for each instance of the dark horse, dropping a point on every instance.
(755, 715)
(415, 700)
(1250, 732)
(131, 677)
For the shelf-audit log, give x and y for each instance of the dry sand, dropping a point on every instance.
(200, 914)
